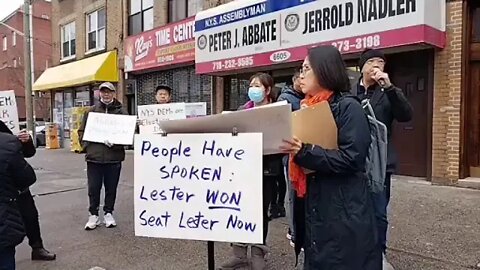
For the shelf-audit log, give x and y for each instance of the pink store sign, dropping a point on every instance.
(264, 33)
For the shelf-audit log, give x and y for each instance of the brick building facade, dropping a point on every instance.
(86, 50)
(447, 115)
(12, 54)
(179, 75)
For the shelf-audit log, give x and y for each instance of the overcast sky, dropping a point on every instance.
(8, 6)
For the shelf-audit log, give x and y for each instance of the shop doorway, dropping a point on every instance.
(412, 139)
(471, 112)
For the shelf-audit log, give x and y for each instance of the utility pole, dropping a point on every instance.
(28, 68)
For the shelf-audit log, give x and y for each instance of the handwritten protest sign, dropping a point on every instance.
(9, 110)
(115, 128)
(151, 115)
(199, 187)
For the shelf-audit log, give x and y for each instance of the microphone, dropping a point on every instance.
(381, 82)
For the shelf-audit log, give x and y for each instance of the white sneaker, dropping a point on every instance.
(110, 221)
(386, 264)
(93, 222)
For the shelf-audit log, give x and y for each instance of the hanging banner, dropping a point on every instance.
(167, 45)
(253, 33)
(199, 187)
(9, 110)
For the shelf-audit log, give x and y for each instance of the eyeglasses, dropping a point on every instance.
(304, 70)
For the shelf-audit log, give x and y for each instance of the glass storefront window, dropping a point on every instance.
(67, 112)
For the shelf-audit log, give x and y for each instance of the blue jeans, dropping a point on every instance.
(381, 201)
(7, 258)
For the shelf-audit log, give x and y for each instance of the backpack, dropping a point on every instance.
(376, 165)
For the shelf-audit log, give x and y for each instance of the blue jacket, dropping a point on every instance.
(291, 96)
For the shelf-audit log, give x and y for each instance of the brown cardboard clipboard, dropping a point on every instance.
(316, 125)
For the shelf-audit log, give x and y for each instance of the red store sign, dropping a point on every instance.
(167, 45)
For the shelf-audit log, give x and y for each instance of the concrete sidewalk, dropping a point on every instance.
(432, 227)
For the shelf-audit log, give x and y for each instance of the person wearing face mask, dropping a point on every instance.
(104, 162)
(260, 93)
(337, 220)
(389, 104)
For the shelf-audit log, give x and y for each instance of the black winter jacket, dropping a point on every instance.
(389, 105)
(99, 152)
(16, 175)
(28, 148)
(337, 226)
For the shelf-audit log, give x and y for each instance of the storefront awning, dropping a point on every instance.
(99, 68)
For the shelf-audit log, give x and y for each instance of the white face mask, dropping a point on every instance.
(106, 103)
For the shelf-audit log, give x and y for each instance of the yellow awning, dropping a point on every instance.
(99, 68)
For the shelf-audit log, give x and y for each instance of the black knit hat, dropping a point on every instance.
(369, 54)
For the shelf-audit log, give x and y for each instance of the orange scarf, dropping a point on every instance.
(296, 173)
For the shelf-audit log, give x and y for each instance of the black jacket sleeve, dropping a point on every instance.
(401, 109)
(29, 149)
(353, 144)
(23, 174)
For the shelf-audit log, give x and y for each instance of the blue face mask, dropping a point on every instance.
(256, 94)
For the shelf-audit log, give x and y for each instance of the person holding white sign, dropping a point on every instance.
(104, 161)
(260, 94)
(338, 219)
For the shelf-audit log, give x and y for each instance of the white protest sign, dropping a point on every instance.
(199, 187)
(273, 121)
(9, 110)
(196, 109)
(151, 115)
(115, 128)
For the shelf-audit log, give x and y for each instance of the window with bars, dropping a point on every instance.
(68, 40)
(191, 88)
(140, 17)
(96, 30)
(182, 9)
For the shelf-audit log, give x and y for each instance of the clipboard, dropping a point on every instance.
(316, 125)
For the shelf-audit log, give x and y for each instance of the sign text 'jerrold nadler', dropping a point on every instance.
(255, 33)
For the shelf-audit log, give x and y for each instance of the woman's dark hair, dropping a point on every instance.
(329, 68)
(267, 81)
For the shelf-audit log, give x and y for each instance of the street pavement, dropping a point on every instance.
(432, 227)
